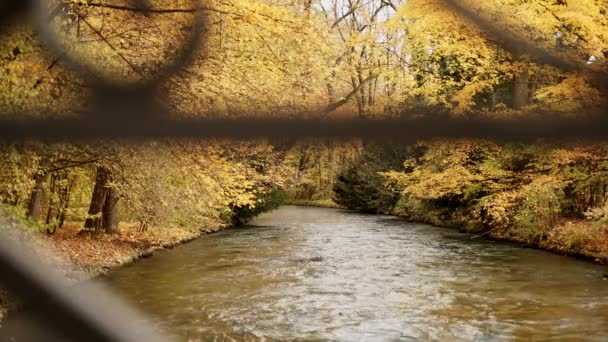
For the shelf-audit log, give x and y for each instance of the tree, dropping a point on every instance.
(102, 215)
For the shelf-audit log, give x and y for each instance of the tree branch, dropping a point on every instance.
(335, 105)
(153, 10)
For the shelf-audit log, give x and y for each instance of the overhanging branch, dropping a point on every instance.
(335, 105)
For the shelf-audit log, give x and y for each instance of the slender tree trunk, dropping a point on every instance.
(62, 215)
(52, 191)
(302, 163)
(307, 6)
(34, 209)
(320, 169)
(519, 90)
(362, 91)
(331, 92)
(532, 86)
(98, 199)
(356, 89)
(64, 198)
(330, 169)
(110, 214)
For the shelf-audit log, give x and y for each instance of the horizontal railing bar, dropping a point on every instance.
(73, 129)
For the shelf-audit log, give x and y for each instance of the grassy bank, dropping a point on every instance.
(575, 238)
(322, 203)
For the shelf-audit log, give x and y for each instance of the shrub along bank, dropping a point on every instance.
(545, 195)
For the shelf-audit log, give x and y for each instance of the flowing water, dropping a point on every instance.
(325, 274)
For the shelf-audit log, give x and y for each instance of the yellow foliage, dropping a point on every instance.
(571, 95)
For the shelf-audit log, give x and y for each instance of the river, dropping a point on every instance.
(303, 273)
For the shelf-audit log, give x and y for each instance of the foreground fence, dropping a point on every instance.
(125, 111)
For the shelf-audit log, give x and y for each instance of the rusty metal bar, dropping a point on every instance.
(388, 129)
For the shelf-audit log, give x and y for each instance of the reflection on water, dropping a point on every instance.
(324, 274)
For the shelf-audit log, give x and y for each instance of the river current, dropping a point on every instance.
(311, 274)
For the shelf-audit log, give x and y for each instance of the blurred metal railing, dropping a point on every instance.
(61, 312)
(92, 314)
(129, 110)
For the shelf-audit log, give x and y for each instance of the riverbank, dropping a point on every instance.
(579, 239)
(97, 254)
(80, 257)
(322, 203)
(582, 239)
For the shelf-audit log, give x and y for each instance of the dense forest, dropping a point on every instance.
(334, 59)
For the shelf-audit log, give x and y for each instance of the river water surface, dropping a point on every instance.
(325, 274)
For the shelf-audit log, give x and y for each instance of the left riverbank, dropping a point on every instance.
(80, 257)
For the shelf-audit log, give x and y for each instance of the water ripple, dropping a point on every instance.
(322, 274)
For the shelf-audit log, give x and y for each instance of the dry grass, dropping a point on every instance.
(95, 252)
(81, 256)
(583, 238)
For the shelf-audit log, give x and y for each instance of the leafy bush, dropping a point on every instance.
(519, 192)
(362, 186)
(264, 202)
(420, 210)
(537, 209)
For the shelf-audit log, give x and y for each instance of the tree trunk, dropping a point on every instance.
(519, 90)
(330, 169)
(98, 199)
(356, 92)
(64, 198)
(331, 92)
(307, 6)
(362, 91)
(52, 191)
(532, 87)
(110, 214)
(34, 209)
(320, 169)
